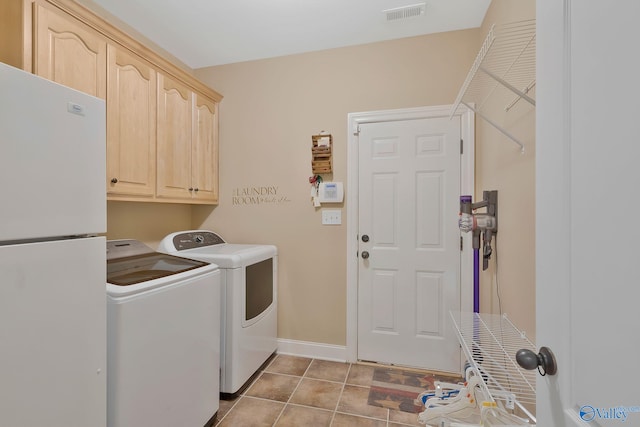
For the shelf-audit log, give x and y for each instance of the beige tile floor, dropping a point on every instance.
(297, 391)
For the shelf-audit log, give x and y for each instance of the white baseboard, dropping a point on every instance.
(313, 350)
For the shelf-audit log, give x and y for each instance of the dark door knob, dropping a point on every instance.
(365, 254)
(114, 180)
(365, 238)
(545, 359)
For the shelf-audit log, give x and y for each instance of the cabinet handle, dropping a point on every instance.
(190, 188)
(196, 189)
(114, 180)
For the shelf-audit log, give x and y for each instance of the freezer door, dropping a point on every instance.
(53, 334)
(52, 159)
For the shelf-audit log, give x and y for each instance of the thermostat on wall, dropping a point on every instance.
(330, 192)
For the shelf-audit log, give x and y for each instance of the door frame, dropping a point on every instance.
(467, 182)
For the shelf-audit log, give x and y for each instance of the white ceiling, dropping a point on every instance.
(202, 33)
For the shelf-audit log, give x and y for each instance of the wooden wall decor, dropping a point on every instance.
(321, 156)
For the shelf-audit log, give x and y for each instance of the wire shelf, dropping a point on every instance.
(490, 343)
(506, 59)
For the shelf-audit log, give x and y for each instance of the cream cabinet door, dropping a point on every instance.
(69, 52)
(205, 150)
(174, 139)
(131, 125)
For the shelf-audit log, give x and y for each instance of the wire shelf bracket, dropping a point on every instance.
(506, 59)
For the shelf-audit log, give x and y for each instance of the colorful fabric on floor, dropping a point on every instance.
(398, 389)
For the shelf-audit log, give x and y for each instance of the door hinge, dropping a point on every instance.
(356, 129)
(461, 243)
(461, 146)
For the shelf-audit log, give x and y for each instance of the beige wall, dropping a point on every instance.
(270, 110)
(501, 166)
(147, 222)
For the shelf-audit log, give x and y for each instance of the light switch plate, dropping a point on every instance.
(331, 217)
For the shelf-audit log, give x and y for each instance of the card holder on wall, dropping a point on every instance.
(321, 156)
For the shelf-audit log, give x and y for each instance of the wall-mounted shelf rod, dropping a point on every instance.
(495, 125)
(506, 84)
(518, 98)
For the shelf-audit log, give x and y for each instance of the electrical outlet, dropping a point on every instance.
(331, 217)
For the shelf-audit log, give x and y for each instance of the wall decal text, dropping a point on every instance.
(258, 195)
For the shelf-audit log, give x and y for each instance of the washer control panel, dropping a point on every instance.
(196, 239)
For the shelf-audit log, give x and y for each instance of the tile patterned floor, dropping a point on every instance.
(297, 391)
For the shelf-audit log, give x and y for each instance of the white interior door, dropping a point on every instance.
(587, 183)
(409, 267)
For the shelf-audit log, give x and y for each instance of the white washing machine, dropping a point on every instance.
(249, 295)
(163, 339)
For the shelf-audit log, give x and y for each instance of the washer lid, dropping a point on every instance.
(130, 262)
(143, 268)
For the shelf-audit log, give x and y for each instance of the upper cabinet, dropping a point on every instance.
(69, 52)
(175, 102)
(204, 162)
(162, 123)
(131, 125)
(187, 144)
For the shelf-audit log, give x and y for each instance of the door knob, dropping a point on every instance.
(527, 359)
(365, 254)
(114, 180)
(365, 238)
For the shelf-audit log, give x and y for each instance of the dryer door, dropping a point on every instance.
(259, 290)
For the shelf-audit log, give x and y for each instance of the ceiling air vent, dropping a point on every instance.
(404, 12)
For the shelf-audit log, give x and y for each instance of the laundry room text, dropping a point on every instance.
(258, 195)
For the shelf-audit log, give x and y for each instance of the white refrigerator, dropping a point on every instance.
(52, 257)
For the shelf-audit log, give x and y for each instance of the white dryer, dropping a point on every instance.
(163, 342)
(249, 294)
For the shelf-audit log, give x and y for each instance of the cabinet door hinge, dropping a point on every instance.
(461, 146)
(461, 243)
